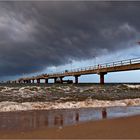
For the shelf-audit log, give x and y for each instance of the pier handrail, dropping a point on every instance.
(100, 66)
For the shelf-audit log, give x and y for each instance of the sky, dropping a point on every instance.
(50, 36)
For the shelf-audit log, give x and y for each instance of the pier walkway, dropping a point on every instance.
(100, 69)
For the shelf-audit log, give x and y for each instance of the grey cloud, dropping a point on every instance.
(36, 35)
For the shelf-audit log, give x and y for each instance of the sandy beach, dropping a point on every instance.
(33, 98)
(127, 127)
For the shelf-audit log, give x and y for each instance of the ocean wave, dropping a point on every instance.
(14, 106)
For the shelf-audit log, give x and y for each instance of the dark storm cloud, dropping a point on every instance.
(36, 35)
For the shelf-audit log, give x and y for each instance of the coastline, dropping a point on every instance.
(56, 98)
(124, 127)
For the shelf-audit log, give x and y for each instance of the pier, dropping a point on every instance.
(100, 69)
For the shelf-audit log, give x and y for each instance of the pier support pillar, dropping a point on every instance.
(55, 80)
(61, 80)
(46, 81)
(38, 81)
(76, 79)
(102, 77)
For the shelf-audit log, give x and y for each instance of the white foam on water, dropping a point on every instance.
(14, 106)
(29, 91)
(132, 86)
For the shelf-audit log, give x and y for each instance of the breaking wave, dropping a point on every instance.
(14, 106)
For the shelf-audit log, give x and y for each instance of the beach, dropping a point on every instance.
(70, 111)
(124, 128)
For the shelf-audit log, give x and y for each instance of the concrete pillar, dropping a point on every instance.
(55, 80)
(76, 79)
(61, 80)
(33, 81)
(38, 81)
(102, 77)
(46, 81)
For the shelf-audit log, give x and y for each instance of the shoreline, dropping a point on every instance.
(124, 127)
(55, 97)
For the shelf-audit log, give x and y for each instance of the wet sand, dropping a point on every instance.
(126, 127)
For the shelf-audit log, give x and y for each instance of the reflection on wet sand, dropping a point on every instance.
(104, 113)
(58, 120)
(38, 119)
(77, 117)
(30, 120)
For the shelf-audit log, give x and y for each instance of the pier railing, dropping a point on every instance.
(101, 66)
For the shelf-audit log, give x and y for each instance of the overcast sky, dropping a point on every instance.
(38, 37)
